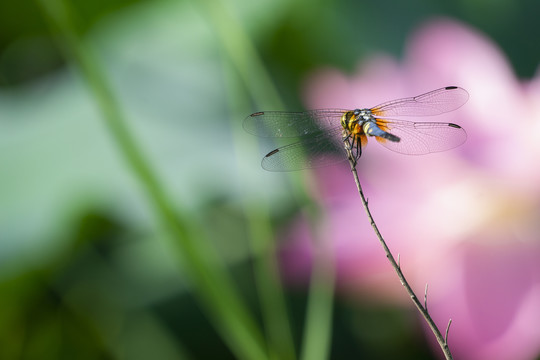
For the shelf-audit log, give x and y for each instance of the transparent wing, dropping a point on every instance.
(309, 152)
(435, 102)
(292, 124)
(417, 138)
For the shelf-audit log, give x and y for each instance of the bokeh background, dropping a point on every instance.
(136, 221)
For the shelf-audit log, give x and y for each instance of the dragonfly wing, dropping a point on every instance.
(417, 138)
(435, 102)
(292, 124)
(310, 152)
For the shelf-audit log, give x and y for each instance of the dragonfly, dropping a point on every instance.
(327, 136)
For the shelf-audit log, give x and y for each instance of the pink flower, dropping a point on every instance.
(465, 221)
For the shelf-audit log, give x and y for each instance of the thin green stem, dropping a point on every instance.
(316, 342)
(210, 281)
(242, 54)
(423, 310)
(269, 287)
(262, 241)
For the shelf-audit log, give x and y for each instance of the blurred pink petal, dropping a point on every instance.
(464, 221)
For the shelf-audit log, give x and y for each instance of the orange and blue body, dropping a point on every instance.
(325, 136)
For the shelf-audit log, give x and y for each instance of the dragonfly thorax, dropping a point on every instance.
(353, 121)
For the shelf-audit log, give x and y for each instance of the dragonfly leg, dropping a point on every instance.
(358, 144)
(347, 142)
(353, 146)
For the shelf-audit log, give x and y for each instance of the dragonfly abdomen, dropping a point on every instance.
(371, 129)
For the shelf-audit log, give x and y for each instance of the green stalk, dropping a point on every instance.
(262, 241)
(211, 283)
(242, 53)
(243, 57)
(318, 327)
(317, 335)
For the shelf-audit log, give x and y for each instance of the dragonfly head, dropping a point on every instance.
(349, 119)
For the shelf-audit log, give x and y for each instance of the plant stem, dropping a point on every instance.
(423, 310)
(242, 53)
(317, 336)
(317, 333)
(211, 283)
(261, 235)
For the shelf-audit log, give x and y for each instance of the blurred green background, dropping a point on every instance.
(89, 262)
